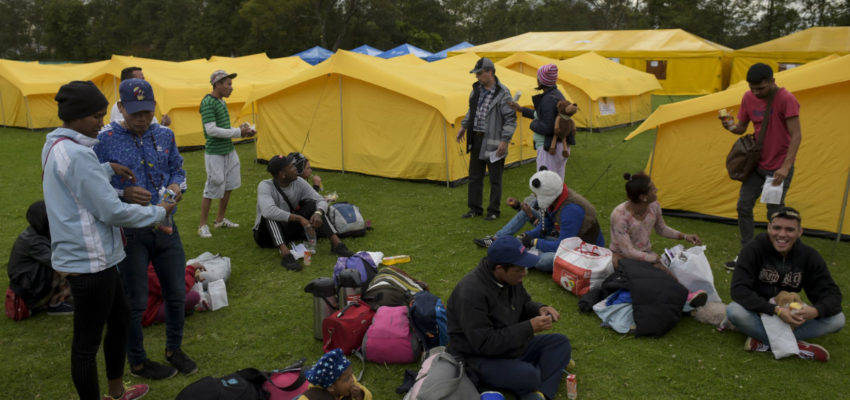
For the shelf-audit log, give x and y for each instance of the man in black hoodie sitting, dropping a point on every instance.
(776, 261)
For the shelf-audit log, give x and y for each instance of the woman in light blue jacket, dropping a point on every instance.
(85, 214)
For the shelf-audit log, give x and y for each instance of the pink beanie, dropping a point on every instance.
(548, 75)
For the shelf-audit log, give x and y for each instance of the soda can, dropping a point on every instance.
(308, 255)
(571, 386)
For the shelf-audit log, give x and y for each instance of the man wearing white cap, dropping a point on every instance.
(220, 158)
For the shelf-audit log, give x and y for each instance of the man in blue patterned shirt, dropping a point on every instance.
(149, 149)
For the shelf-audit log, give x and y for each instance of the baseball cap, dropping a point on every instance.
(277, 163)
(482, 63)
(136, 95)
(508, 250)
(219, 75)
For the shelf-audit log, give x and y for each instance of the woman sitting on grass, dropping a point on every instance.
(632, 222)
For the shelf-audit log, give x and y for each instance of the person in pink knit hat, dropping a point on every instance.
(544, 113)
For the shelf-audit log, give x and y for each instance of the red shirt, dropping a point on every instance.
(777, 137)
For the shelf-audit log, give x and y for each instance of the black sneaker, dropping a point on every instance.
(153, 370)
(182, 362)
(470, 214)
(491, 217)
(730, 265)
(289, 262)
(63, 308)
(341, 250)
(484, 242)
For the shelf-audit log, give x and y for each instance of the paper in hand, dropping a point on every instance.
(494, 156)
(516, 95)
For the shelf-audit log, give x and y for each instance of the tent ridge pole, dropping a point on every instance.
(843, 210)
(341, 129)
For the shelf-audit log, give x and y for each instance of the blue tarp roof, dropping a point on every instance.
(367, 50)
(315, 55)
(444, 53)
(405, 49)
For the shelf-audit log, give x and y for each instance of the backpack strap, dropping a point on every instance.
(297, 366)
(763, 131)
(50, 150)
(285, 197)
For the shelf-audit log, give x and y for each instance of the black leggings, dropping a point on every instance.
(272, 233)
(98, 301)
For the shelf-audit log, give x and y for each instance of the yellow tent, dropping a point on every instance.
(180, 86)
(685, 64)
(793, 50)
(611, 93)
(379, 117)
(27, 90)
(688, 160)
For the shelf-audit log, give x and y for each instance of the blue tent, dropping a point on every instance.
(367, 50)
(315, 55)
(405, 49)
(445, 53)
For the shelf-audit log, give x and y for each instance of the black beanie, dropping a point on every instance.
(79, 99)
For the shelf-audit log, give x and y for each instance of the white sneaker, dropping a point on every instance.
(204, 232)
(225, 223)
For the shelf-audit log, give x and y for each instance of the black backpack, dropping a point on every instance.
(245, 384)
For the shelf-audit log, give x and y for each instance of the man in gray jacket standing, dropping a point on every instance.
(490, 122)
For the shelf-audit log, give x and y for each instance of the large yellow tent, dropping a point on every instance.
(27, 90)
(688, 160)
(685, 64)
(379, 117)
(793, 50)
(608, 94)
(180, 86)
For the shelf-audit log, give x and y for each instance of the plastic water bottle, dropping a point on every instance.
(310, 234)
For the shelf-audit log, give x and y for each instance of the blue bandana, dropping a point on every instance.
(328, 369)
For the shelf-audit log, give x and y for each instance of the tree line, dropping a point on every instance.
(177, 30)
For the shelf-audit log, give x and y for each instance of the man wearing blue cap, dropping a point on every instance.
(492, 323)
(150, 151)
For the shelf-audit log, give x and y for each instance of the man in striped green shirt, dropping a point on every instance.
(220, 158)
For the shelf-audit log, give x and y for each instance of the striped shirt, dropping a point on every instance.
(215, 110)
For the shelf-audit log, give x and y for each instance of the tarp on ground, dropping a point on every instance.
(378, 117)
(314, 55)
(445, 52)
(179, 87)
(793, 50)
(683, 63)
(367, 50)
(403, 50)
(27, 90)
(608, 94)
(688, 161)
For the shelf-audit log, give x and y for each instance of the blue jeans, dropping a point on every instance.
(749, 323)
(516, 223)
(546, 263)
(540, 368)
(145, 245)
(750, 192)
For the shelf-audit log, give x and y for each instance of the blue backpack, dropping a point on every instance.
(428, 317)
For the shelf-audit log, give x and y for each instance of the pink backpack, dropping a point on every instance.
(389, 339)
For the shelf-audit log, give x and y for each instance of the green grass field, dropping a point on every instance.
(269, 321)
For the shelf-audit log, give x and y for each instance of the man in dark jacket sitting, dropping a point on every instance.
(775, 261)
(492, 323)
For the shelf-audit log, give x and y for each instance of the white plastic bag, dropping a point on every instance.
(783, 343)
(771, 194)
(217, 267)
(218, 294)
(692, 270)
